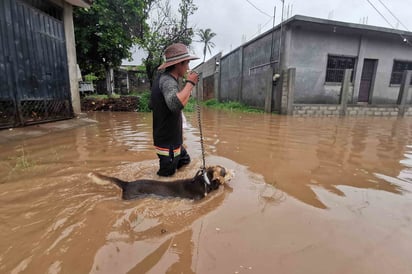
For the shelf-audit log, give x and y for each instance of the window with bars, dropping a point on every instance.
(336, 68)
(397, 71)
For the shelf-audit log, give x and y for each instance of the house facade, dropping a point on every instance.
(38, 71)
(319, 51)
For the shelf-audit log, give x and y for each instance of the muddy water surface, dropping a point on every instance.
(310, 195)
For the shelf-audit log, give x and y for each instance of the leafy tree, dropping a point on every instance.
(106, 32)
(205, 36)
(165, 28)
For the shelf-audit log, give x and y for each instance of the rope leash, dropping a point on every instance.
(203, 167)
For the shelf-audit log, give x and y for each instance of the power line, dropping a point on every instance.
(373, 6)
(261, 11)
(259, 31)
(394, 16)
(403, 37)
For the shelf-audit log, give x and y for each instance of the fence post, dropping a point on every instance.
(240, 95)
(291, 90)
(283, 92)
(345, 91)
(269, 90)
(404, 92)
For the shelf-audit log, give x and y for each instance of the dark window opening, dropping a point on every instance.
(336, 68)
(397, 71)
(46, 7)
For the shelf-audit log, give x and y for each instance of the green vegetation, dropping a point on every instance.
(230, 105)
(145, 98)
(206, 36)
(165, 27)
(107, 31)
(90, 77)
(101, 96)
(190, 107)
(144, 101)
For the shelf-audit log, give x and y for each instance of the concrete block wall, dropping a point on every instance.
(305, 110)
(408, 112)
(379, 111)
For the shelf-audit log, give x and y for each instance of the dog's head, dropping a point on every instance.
(219, 174)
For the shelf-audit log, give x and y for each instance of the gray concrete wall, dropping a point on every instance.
(209, 67)
(244, 71)
(306, 44)
(256, 63)
(308, 52)
(230, 74)
(386, 51)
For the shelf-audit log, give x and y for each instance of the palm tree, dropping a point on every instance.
(205, 36)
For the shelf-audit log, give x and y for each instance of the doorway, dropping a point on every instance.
(367, 80)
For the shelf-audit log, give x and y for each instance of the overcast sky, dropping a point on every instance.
(236, 20)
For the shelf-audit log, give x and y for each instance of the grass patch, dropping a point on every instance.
(191, 105)
(232, 106)
(101, 96)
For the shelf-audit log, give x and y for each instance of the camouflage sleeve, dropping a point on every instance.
(170, 88)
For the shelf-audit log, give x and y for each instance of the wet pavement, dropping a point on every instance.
(310, 195)
(23, 133)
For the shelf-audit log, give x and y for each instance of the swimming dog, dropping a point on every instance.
(204, 182)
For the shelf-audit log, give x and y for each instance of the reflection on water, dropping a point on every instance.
(53, 219)
(294, 154)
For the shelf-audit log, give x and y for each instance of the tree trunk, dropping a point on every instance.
(109, 81)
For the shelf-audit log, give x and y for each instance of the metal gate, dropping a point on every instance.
(34, 80)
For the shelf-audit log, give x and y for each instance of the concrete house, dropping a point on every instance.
(319, 51)
(38, 66)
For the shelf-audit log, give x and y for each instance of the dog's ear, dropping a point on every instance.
(217, 175)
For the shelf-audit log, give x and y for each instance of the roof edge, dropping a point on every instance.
(80, 3)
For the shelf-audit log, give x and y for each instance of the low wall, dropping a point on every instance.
(335, 110)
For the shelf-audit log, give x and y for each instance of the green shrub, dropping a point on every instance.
(230, 105)
(144, 101)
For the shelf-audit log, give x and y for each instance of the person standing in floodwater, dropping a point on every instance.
(167, 102)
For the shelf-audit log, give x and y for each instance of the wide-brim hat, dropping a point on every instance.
(175, 54)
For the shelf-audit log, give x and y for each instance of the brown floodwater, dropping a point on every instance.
(310, 195)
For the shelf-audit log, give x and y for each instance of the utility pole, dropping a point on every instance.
(281, 32)
(273, 35)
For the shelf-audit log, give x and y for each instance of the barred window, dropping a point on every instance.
(397, 71)
(336, 68)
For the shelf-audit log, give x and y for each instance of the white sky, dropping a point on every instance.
(234, 20)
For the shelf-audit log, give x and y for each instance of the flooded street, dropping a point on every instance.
(310, 195)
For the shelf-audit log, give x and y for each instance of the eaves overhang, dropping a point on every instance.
(80, 3)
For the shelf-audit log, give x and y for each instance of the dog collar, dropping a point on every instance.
(206, 178)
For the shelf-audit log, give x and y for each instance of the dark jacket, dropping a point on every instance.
(167, 120)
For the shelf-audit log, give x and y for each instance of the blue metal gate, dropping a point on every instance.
(34, 81)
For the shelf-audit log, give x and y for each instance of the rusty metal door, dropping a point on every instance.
(367, 78)
(209, 88)
(34, 81)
